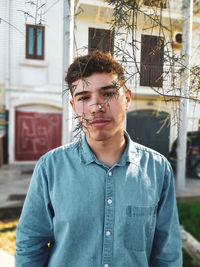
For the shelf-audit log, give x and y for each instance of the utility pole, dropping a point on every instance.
(68, 37)
(184, 93)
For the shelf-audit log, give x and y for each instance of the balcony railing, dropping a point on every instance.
(170, 77)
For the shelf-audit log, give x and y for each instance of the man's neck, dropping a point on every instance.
(108, 151)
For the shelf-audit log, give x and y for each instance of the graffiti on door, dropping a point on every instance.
(36, 133)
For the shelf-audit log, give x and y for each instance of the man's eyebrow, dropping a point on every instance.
(81, 93)
(111, 86)
(107, 87)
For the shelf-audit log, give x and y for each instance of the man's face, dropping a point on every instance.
(100, 105)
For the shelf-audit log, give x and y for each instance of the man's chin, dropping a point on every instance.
(100, 137)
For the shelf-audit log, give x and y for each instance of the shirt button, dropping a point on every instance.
(110, 173)
(109, 201)
(108, 233)
(106, 265)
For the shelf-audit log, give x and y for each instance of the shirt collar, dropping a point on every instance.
(86, 155)
(129, 155)
(129, 152)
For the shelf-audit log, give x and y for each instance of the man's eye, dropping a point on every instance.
(109, 94)
(83, 98)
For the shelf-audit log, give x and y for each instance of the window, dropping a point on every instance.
(152, 58)
(178, 38)
(155, 3)
(34, 41)
(100, 39)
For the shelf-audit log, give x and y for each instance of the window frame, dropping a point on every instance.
(35, 27)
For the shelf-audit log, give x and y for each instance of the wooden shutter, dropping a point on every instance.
(100, 39)
(152, 57)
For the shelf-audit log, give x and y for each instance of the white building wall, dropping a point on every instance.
(37, 79)
(3, 27)
(17, 40)
(54, 42)
(19, 65)
(31, 82)
(82, 26)
(193, 116)
(194, 107)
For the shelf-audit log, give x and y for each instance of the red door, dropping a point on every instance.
(36, 133)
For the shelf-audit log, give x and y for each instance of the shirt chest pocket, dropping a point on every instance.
(139, 228)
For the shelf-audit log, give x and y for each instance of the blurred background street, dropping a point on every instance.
(14, 182)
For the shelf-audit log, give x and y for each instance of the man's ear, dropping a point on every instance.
(128, 95)
(72, 103)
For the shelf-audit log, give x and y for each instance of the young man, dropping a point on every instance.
(103, 201)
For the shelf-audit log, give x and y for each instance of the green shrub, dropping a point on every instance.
(188, 260)
(189, 216)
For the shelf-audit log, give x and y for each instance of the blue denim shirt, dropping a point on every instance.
(80, 213)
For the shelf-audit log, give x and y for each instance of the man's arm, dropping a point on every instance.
(167, 246)
(34, 236)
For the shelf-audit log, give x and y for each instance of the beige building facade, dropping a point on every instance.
(31, 75)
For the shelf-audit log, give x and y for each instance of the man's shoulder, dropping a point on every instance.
(146, 151)
(67, 150)
(145, 156)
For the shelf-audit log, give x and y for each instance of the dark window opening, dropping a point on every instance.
(34, 41)
(155, 3)
(178, 38)
(152, 58)
(101, 39)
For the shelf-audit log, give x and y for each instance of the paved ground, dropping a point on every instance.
(15, 179)
(14, 182)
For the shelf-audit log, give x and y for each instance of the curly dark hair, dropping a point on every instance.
(94, 62)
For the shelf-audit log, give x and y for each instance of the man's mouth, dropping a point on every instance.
(99, 122)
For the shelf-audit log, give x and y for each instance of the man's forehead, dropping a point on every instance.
(95, 82)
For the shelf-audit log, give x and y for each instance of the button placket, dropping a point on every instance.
(108, 221)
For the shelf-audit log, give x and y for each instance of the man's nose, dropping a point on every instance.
(97, 107)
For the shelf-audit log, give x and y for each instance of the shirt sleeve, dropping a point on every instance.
(167, 245)
(34, 235)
